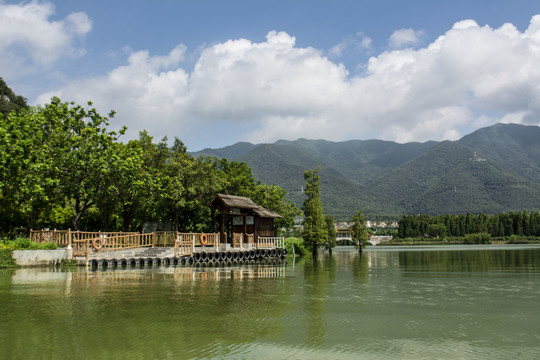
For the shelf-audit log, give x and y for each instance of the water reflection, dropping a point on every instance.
(392, 303)
(458, 261)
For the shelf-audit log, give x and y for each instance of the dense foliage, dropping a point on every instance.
(499, 225)
(295, 246)
(9, 101)
(63, 168)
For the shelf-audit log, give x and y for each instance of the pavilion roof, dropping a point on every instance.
(241, 202)
(234, 201)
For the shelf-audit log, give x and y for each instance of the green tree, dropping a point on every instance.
(437, 230)
(360, 232)
(29, 179)
(9, 101)
(274, 198)
(192, 182)
(314, 233)
(237, 179)
(81, 147)
(331, 241)
(129, 187)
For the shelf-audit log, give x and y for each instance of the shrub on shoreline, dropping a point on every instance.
(7, 246)
(298, 244)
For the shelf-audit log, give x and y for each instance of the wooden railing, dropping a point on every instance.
(107, 242)
(123, 241)
(165, 238)
(59, 237)
(81, 247)
(240, 242)
(237, 240)
(86, 242)
(64, 238)
(207, 240)
(270, 242)
(184, 244)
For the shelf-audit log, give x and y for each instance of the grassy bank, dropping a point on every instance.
(7, 246)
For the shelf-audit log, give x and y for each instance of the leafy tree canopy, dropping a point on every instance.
(9, 101)
(63, 167)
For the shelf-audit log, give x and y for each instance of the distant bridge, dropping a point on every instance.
(345, 237)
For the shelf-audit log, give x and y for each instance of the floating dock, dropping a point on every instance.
(150, 257)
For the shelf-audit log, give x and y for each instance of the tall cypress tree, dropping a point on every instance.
(360, 234)
(314, 233)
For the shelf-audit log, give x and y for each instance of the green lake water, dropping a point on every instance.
(480, 302)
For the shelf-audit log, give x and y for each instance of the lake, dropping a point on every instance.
(456, 302)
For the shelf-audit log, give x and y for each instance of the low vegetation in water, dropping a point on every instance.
(68, 264)
(295, 245)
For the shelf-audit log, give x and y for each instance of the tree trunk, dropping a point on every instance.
(175, 219)
(127, 219)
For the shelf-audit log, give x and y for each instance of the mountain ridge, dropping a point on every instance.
(491, 170)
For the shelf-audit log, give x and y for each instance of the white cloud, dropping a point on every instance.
(29, 39)
(469, 76)
(148, 93)
(406, 38)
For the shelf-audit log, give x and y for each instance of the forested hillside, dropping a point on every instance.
(492, 170)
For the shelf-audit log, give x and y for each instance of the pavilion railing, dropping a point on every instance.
(270, 242)
(237, 240)
(186, 243)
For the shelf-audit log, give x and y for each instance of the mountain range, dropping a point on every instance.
(492, 170)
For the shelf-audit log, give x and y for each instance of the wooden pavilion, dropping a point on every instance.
(240, 215)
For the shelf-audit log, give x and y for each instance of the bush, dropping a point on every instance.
(477, 238)
(298, 244)
(25, 244)
(20, 243)
(46, 246)
(516, 239)
(6, 256)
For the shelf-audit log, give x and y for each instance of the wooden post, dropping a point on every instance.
(213, 219)
(255, 232)
(222, 227)
(244, 235)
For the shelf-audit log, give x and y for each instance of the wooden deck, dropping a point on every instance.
(159, 247)
(165, 257)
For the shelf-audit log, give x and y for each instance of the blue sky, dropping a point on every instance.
(217, 72)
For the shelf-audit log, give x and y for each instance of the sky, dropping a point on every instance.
(214, 73)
